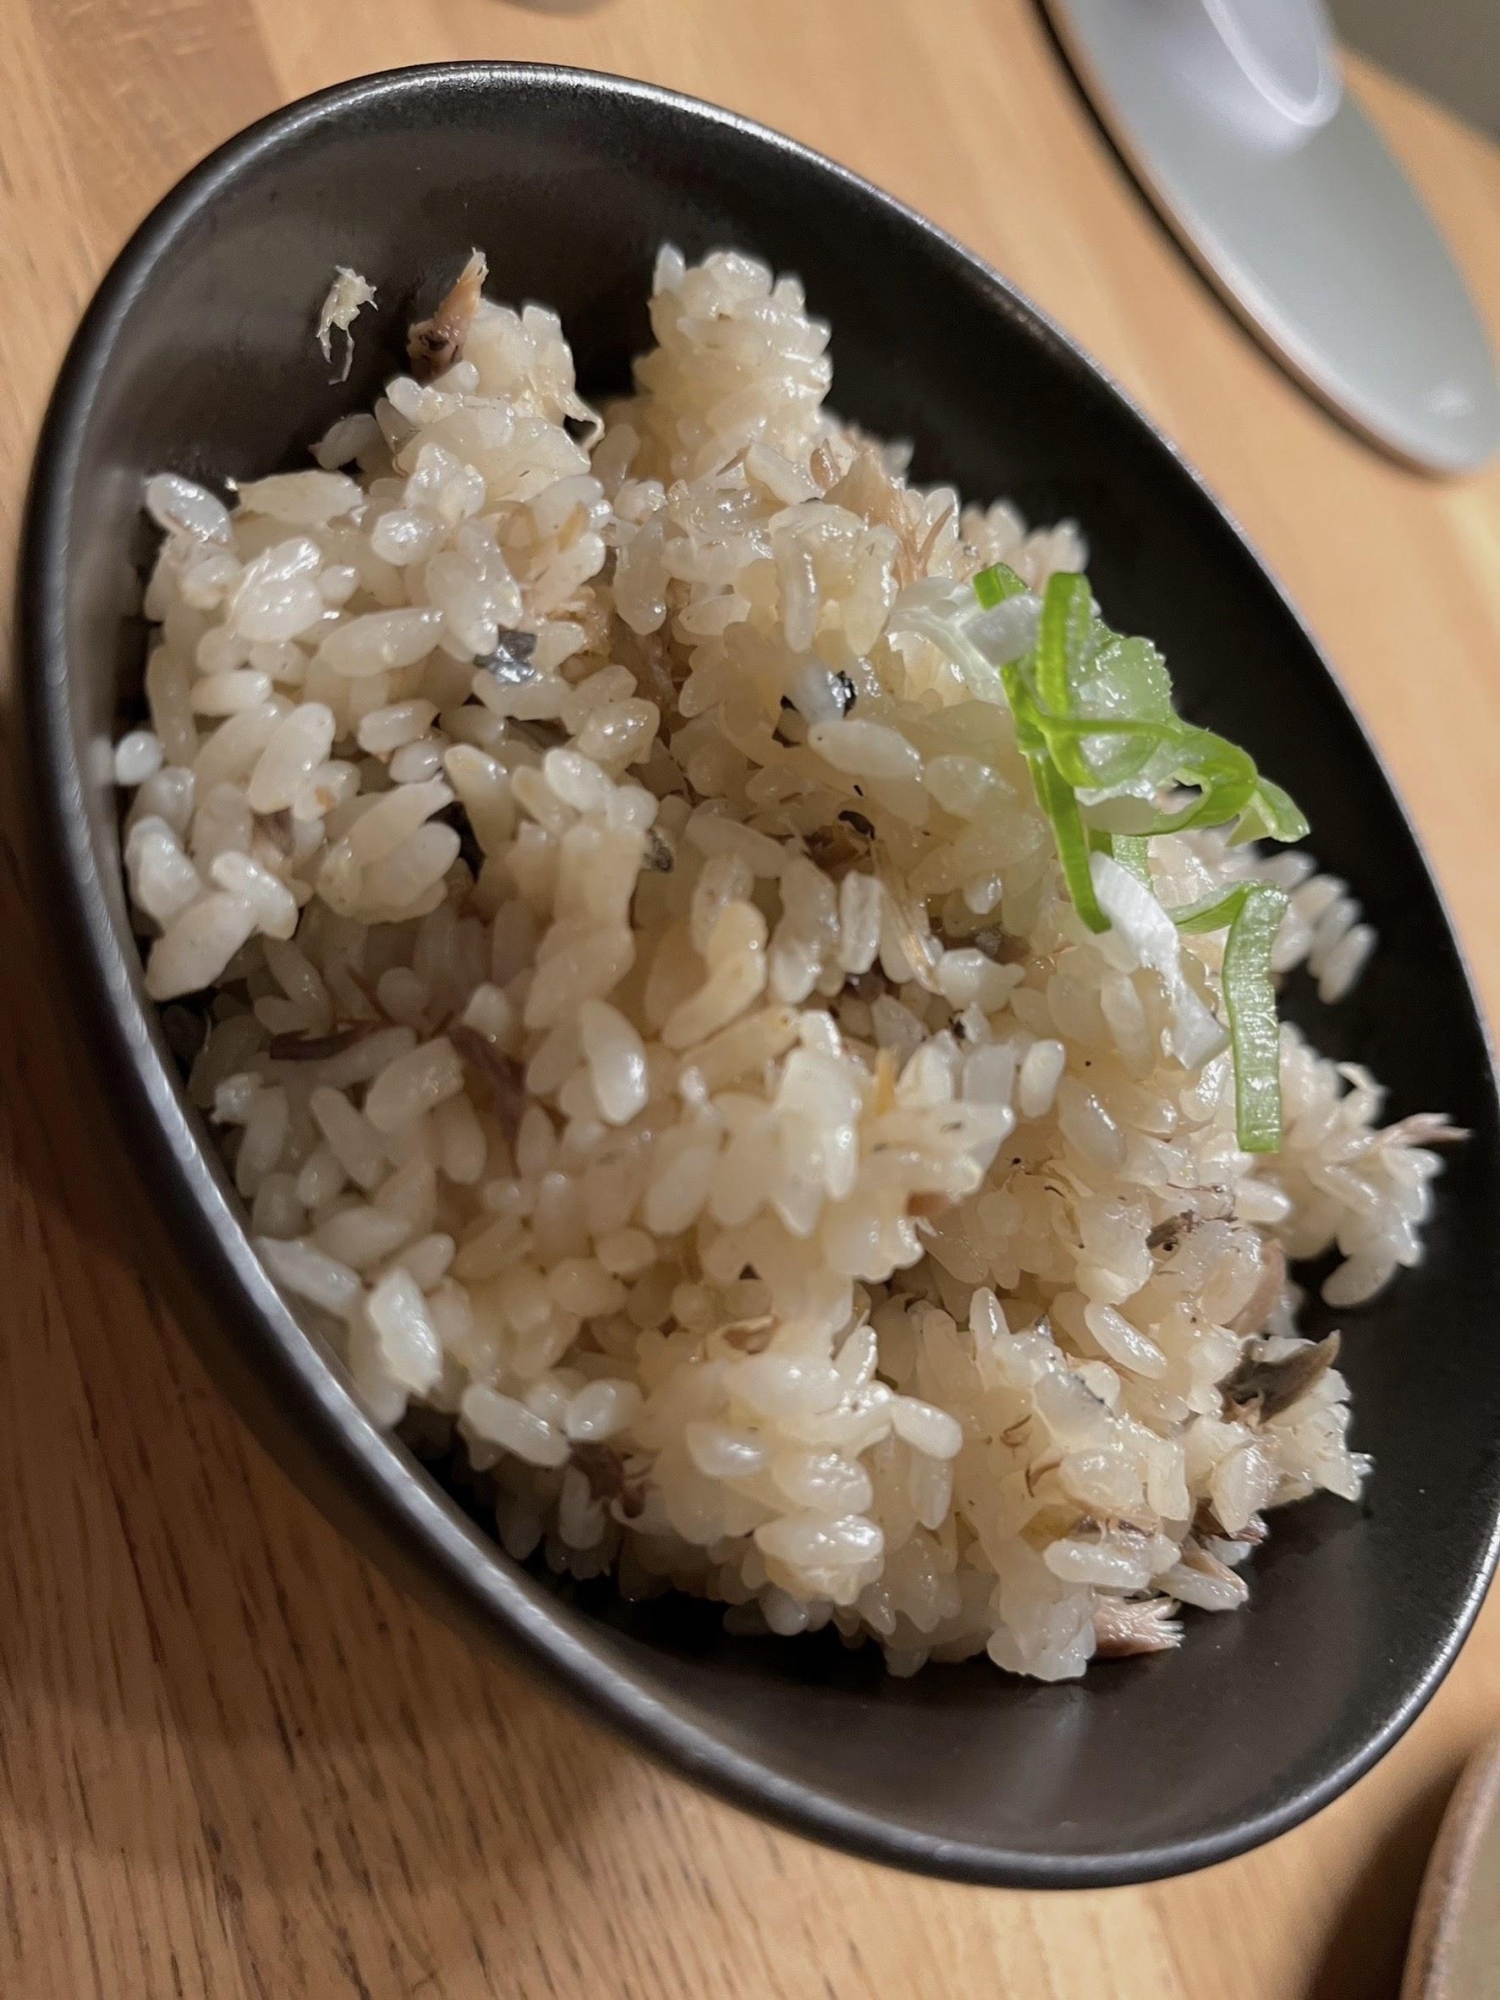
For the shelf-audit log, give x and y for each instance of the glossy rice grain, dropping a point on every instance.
(648, 1029)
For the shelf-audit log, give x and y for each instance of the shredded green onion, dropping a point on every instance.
(1094, 717)
(1213, 913)
(1132, 852)
(993, 585)
(1060, 803)
(1067, 613)
(1253, 911)
(1057, 800)
(1272, 815)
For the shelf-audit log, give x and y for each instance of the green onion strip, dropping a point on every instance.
(1131, 851)
(1253, 912)
(1059, 630)
(1063, 748)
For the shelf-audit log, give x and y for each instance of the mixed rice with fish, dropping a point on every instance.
(729, 996)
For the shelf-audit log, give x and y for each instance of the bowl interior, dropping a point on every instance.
(200, 357)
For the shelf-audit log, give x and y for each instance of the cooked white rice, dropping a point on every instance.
(648, 1028)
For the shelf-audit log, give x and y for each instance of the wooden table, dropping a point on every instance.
(233, 1762)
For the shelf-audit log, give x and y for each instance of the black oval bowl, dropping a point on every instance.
(197, 354)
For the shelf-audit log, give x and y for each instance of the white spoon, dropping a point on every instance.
(1233, 116)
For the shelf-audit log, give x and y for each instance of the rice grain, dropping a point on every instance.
(648, 1021)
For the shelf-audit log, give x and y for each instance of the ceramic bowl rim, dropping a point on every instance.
(412, 1519)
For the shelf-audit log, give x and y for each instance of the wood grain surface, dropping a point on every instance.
(233, 1762)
